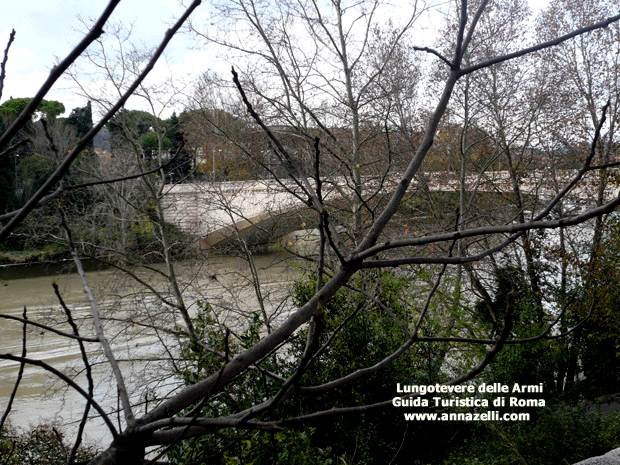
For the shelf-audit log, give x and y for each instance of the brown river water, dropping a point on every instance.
(223, 281)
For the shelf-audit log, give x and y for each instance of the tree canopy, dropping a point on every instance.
(14, 106)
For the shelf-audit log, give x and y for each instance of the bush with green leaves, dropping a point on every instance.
(229, 447)
(373, 437)
(562, 434)
(598, 342)
(529, 363)
(376, 312)
(41, 445)
(569, 429)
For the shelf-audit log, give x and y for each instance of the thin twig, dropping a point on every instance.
(433, 52)
(6, 57)
(19, 373)
(68, 381)
(83, 143)
(107, 349)
(14, 146)
(56, 72)
(89, 377)
(48, 328)
(289, 162)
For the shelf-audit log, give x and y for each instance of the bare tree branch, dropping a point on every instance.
(498, 344)
(89, 376)
(19, 373)
(69, 382)
(601, 24)
(56, 72)
(536, 222)
(48, 328)
(433, 52)
(4, 60)
(77, 149)
(107, 349)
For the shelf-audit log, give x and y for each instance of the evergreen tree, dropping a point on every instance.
(82, 120)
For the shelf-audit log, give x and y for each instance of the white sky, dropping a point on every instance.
(48, 29)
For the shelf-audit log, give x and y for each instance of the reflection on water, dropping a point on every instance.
(29, 270)
(222, 281)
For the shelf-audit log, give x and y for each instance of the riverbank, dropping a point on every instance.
(18, 264)
(25, 257)
(29, 264)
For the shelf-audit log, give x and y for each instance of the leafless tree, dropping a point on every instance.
(330, 68)
(180, 415)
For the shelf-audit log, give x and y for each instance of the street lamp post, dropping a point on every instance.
(213, 161)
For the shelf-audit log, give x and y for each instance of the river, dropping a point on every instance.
(223, 281)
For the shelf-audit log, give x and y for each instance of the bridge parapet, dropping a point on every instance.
(212, 212)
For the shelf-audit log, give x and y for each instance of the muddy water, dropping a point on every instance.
(222, 281)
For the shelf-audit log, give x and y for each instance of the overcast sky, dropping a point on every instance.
(48, 29)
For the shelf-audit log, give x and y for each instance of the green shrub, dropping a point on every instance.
(42, 445)
(376, 436)
(562, 434)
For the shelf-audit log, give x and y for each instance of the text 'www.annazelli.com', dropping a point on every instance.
(492, 415)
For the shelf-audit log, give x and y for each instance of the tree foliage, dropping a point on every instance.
(42, 445)
(13, 107)
(327, 104)
(81, 118)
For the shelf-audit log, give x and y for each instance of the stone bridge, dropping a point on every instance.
(259, 211)
(218, 213)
